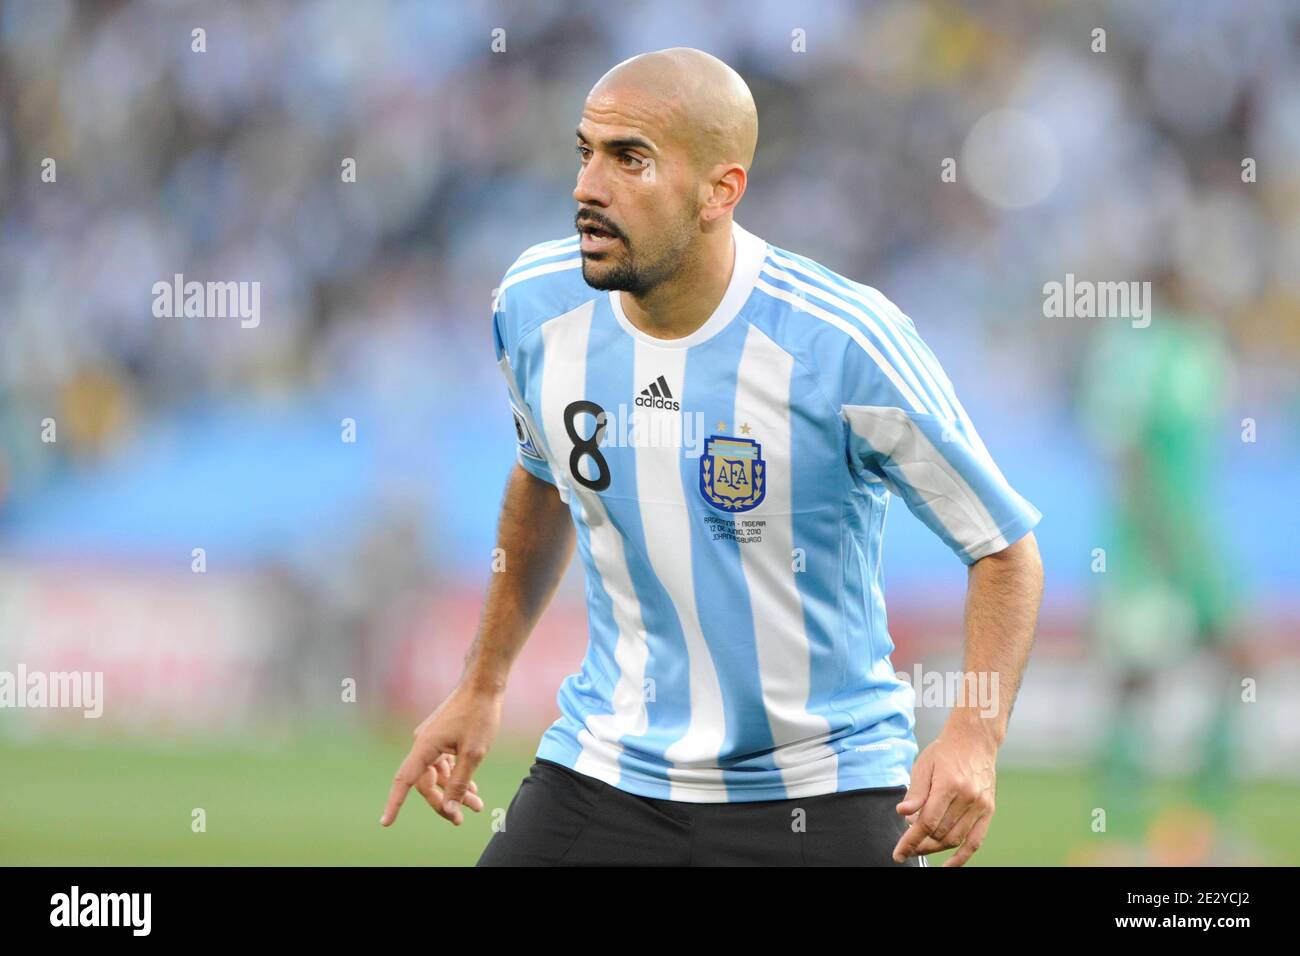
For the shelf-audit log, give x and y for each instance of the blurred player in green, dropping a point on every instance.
(1153, 397)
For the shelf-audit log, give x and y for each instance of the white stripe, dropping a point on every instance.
(930, 476)
(575, 263)
(915, 362)
(665, 519)
(852, 332)
(808, 765)
(906, 366)
(564, 380)
(544, 249)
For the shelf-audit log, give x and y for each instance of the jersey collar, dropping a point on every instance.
(751, 251)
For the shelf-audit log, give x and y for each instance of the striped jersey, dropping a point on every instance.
(729, 491)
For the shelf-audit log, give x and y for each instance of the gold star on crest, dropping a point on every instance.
(745, 429)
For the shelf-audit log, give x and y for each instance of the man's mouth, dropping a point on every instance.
(595, 238)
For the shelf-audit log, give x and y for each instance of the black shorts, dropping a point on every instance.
(563, 818)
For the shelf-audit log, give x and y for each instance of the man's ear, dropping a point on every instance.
(728, 184)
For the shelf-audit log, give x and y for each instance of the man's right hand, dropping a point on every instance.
(449, 745)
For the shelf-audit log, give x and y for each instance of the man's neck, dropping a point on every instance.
(673, 310)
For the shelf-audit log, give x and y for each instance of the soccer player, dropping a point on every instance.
(1153, 399)
(719, 424)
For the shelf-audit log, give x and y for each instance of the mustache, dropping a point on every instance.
(587, 218)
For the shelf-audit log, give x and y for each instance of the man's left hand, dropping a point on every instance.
(950, 801)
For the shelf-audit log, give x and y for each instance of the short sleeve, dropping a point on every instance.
(527, 437)
(907, 429)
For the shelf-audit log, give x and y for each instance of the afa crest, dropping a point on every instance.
(733, 475)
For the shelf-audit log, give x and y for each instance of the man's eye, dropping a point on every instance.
(581, 151)
(631, 161)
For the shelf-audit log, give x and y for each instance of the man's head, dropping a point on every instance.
(665, 145)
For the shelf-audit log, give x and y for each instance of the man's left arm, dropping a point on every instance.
(951, 798)
(908, 430)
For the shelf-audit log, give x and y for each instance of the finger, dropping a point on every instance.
(461, 774)
(974, 838)
(960, 830)
(472, 799)
(407, 775)
(430, 790)
(925, 848)
(956, 813)
(444, 766)
(918, 789)
(953, 839)
(909, 842)
(435, 795)
(931, 814)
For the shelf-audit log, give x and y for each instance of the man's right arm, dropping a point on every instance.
(535, 537)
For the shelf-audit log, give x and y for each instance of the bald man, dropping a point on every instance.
(718, 425)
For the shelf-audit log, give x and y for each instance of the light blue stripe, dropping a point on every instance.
(721, 591)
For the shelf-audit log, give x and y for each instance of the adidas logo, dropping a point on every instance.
(657, 395)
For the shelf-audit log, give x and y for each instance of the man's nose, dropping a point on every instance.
(591, 189)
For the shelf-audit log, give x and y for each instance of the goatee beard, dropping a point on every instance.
(620, 278)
